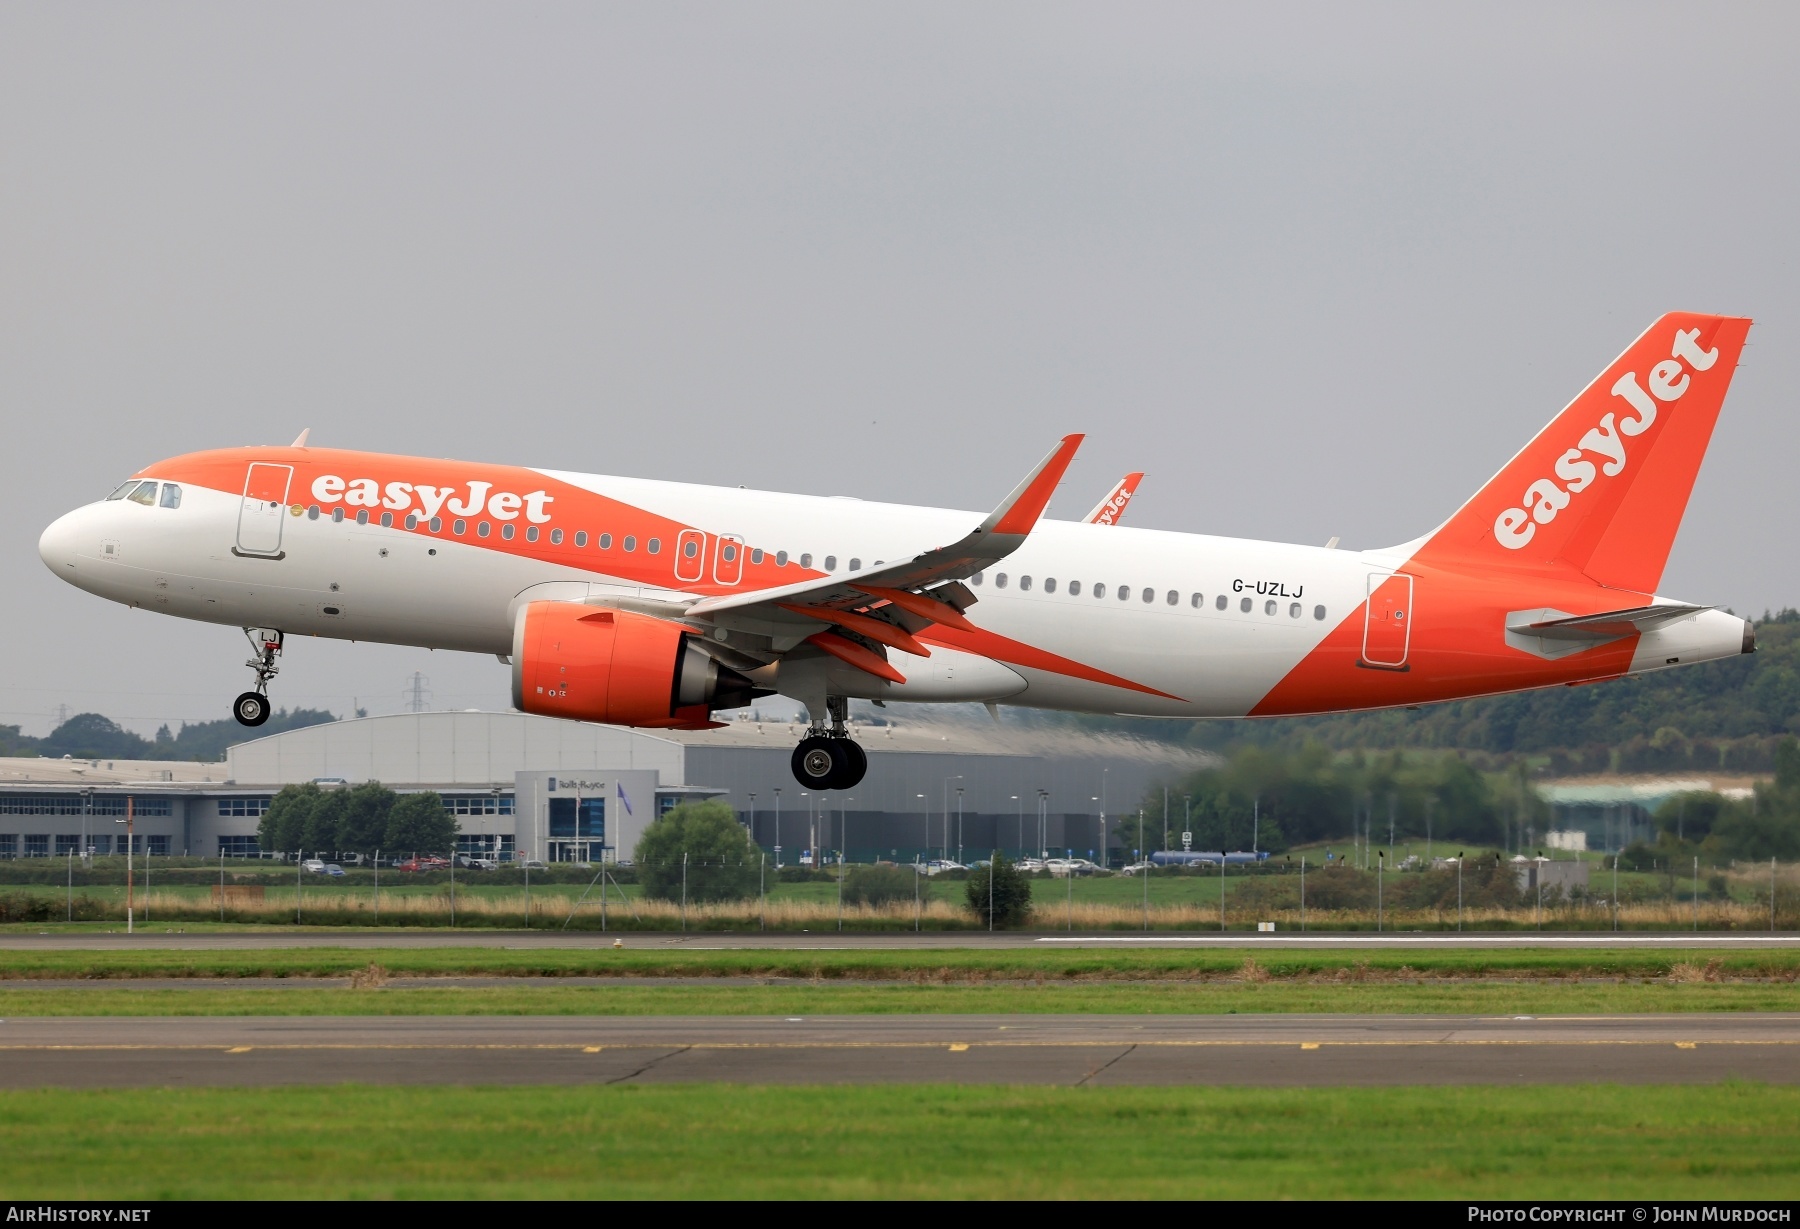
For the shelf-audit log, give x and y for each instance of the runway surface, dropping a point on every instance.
(1067, 1050)
(164, 939)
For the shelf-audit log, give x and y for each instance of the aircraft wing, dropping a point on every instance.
(1607, 625)
(1109, 510)
(835, 613)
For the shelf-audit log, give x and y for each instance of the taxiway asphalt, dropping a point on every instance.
(1000, 1049)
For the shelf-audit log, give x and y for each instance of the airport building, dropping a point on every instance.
(526, 786)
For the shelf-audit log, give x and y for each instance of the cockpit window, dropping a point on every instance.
(171, 495)
(145, 494)
(120, 493)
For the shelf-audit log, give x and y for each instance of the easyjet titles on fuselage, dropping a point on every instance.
(329, 489)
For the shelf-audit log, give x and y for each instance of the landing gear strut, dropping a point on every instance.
(252, 708)
(830, 759)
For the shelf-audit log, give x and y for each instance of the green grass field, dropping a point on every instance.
(1454, 982)
(1733, 1141)
(1163, 998)
(644, 956)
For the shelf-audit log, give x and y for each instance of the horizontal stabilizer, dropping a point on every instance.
(1607, 625)
(1551, 634)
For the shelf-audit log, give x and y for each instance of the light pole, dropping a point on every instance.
(1020, 807)
(777, 827)
(1043, 832)
(87, 803)
(1459, 862)
(1380, 865)
(959, 825)
(1102, 830)
(925, 851)
(944, 790)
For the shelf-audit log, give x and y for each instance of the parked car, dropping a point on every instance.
(484, 864)
(1137, 867)
(1029, 865)
(532, 864)
(333, 870)
(422, 864)
(314, 865)
(938, 866)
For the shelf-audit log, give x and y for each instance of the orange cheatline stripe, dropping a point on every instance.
(1002, 648)
(874, 629)
(924, 607)
(855, 655)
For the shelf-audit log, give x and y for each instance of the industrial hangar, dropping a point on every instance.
(525, 786)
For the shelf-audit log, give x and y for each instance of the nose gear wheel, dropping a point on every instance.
(252, 708)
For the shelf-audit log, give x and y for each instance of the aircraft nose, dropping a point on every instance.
(58, 545)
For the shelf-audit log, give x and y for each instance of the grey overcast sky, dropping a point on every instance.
(1319, 269)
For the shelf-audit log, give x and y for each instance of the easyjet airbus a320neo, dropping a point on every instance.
(660, 603)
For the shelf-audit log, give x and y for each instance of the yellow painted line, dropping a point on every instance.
(958, 1047)
(1309, 1045)
(1685, 1045)
(238, 1050)
(590, 1049)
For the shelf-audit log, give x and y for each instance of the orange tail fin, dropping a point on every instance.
(1602, 489)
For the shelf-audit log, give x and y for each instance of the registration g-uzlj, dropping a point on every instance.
(661, 604)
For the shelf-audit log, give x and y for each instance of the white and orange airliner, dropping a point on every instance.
(657, 604)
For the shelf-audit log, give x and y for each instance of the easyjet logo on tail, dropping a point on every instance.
(401, 496)
(1605, 442)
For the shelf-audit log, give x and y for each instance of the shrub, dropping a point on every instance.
(721, 863)
(881, 885)
(1010, 895)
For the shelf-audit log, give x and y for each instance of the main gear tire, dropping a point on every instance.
(856, 765)
(817, 762)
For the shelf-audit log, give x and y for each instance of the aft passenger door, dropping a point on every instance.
(260, 515)
(1387, 621)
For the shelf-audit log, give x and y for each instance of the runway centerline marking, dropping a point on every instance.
(1073, 1044)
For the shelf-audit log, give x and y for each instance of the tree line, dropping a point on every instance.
(1276, 797)
(1720, 830)
(356, 819)
(91, 736)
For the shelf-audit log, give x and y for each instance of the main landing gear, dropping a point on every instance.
(252, 708)
(830, 759)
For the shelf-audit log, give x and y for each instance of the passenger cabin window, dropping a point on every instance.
(806, 560)
(1294, 611)
(1269, 607)
(999, 580)
(171, 496)
(1024, 584)
(362, 516)
(387, 520)
(781, 559)
(1099, 589)
(1199, 600)
(1318, 612)
(1149, 595)
(831, 563)
(1049, 584)
(1222, 601)
(337, 517)
(459, 527)
(1174, 598)
(1124, 593)
(856, 565)
(606, 541)
(531, 533)
(556, 537)
(580, 537)
(145, 494)
(756, 555)
(1244, 605)
(506, 531)
(630, 542)
(654, 546)
(483, 529)
(1074, 588)
(975, 580)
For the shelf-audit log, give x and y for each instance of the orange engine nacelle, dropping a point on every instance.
(593, 664)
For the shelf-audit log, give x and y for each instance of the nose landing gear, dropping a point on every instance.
(252, 708)
(830, 759)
